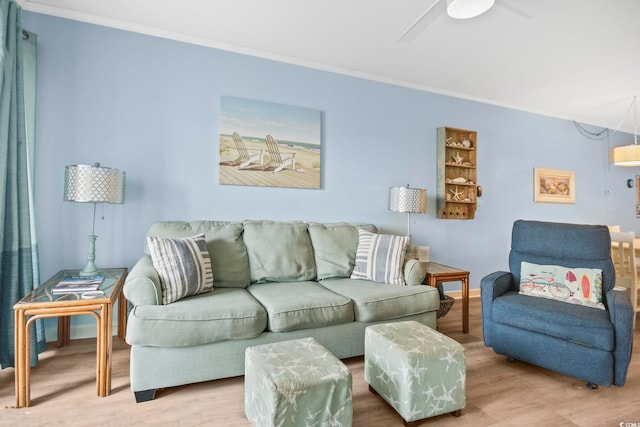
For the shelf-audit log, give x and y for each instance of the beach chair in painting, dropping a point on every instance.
(247, 156)
(279, 159)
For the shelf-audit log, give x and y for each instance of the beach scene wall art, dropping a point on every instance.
(268, 144)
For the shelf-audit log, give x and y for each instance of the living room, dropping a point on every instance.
(152, 107)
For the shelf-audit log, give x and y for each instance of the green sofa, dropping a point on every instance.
(274, 281)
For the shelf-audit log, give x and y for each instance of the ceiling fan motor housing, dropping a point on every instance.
(464, 9)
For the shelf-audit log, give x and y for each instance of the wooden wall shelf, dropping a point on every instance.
(457, 192)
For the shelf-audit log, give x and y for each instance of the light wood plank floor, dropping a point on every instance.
(63, 392)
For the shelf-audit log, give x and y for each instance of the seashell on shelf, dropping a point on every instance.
(459, 180)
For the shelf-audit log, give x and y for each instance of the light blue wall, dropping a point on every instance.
(152, 106)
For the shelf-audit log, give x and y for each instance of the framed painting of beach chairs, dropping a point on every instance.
(270, 145)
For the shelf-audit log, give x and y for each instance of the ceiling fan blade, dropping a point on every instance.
(506, 4)
(423, 21)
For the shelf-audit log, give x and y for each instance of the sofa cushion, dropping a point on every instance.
(279, 251)
(583, 325)
(223, 314)
(571, 285)
(375, 301)
(225, 245)
(380, 257)
(301, 305)
(334, 247)
(183, 265)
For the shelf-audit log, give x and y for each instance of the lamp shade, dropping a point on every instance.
(405, 199)
(625, 155)
(93, 184)
(464, 9)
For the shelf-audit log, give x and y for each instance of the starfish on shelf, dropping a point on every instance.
(456, 194)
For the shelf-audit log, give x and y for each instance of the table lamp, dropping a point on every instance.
(93, 184)
(409, 200)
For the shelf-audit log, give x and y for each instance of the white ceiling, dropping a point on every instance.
(572, 59)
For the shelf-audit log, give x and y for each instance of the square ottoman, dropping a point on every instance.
(417, 370)
(296, 383)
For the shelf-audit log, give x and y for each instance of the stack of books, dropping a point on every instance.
(77, 284)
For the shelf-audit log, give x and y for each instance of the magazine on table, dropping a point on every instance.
(70, 284)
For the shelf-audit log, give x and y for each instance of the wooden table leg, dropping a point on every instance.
(21, 368)
(103, 365)
(122, 316)
(465, 304)
(64, 330)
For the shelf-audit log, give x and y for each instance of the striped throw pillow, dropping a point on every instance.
(380, 257)
(184, 266)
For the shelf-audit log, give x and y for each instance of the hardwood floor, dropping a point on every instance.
(63, 393)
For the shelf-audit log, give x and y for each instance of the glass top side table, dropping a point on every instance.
(42, 303)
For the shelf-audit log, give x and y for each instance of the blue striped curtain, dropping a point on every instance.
(19, 272)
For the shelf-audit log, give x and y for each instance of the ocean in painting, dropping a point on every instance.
(291, 144)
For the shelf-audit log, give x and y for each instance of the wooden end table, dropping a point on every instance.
(42, 303)
(443, 273)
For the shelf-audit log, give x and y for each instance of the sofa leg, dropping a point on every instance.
(592, 386)
(145, 395)
(510, 359)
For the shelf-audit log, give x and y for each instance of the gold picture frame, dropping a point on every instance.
(554, 186)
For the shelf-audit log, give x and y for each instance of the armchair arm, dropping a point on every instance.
(621, 314)
(142, 286)
(491, 287)
(414, 272)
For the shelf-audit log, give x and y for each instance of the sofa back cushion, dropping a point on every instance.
(335, 247)
(279, 251)
(227, 251)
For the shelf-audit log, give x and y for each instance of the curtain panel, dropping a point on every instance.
(19, 272)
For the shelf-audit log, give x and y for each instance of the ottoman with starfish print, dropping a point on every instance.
(420, 372)
(296, 383)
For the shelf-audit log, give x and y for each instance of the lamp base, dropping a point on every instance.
(90, 269)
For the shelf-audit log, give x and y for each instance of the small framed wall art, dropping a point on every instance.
(554, 186)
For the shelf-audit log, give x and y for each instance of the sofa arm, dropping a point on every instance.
(414, 272)
(491, 287)
(621, 314)
(142, 286)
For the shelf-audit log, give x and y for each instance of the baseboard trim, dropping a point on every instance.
(473, 293)
(78, 332)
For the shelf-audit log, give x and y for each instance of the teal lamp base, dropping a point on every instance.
(90, 269)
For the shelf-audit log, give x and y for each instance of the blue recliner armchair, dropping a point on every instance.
(588, 343)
